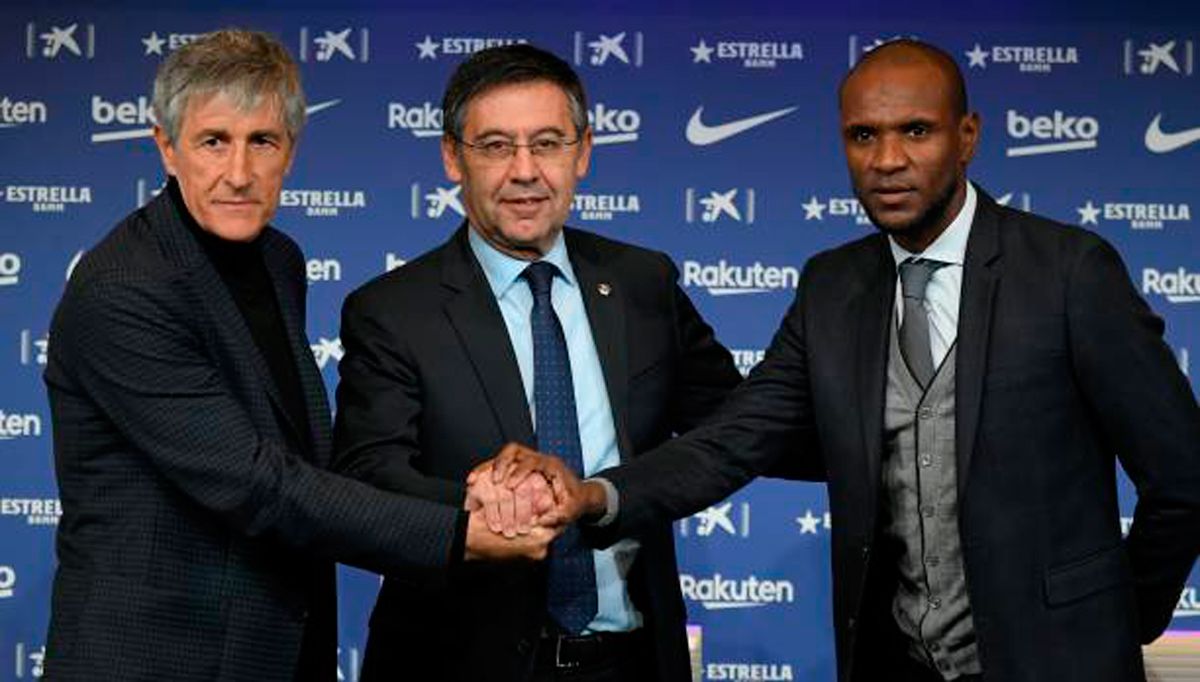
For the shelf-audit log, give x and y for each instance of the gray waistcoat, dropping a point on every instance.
(931, 606)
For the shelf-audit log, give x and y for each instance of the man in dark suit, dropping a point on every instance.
(965, 379)
(520, 330)
(191, 428)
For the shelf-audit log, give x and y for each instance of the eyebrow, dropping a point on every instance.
(505, 133)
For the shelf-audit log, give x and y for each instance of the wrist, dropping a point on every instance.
(595, 501)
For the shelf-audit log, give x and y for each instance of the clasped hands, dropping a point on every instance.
(520, 501)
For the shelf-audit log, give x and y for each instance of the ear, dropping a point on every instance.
(451, 160)
(968, 135)
(165, 150)
(585, 154)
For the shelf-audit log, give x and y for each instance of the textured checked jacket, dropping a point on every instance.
(198, 533)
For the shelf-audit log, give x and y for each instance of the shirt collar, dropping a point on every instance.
(503, 271)
(951, 245)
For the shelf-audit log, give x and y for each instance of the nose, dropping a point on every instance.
(238, 174)
(890, 154)
(523, 167)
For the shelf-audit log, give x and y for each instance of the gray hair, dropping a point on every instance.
(244, 66)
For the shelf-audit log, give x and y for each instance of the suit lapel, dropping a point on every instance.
(477, 321)
(980, 273)
(316, 400)
(210, 293)
(604, 300)
(874, 310)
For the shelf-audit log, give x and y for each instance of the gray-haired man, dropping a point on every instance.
(191, 428)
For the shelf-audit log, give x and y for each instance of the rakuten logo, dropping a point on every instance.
(1062, 133)
(719, 593)
(723, 279)
(1179, 286)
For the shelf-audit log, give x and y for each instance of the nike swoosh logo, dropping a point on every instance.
(700, 134)
(1160, 143)
(321, 106)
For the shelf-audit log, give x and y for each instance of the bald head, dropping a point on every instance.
(906, 53)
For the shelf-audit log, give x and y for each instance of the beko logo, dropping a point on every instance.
(613, 126)
(10, 269)
(8, 581)
(1052, 134)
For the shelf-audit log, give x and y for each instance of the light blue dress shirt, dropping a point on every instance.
(597, 433)
(944, 291)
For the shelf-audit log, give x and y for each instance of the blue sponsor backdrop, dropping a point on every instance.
(717, 142)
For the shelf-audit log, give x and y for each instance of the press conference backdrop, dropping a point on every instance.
(716, 141)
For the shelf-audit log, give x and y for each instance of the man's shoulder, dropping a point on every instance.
(625, 257)
(847, 260)
(130, 250)
(1025, 234)
(408, 284)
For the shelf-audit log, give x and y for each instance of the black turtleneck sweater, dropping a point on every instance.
(242, 269)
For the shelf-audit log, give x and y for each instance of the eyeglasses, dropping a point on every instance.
(550, 148)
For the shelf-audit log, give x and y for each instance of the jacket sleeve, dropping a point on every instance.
(128, 343)
(1148, 414)
(764, 418)
(377, 429)
(707, 375)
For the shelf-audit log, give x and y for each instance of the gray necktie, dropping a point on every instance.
(914, 330)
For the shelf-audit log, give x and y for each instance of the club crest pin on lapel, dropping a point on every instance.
(604, 288)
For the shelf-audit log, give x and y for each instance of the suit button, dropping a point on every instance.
(850, 623)
(866, 552)
(523, 647)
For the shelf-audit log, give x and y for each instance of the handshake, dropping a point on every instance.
(520, 501)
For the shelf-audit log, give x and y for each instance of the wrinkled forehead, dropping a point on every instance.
(539, 102)
(264, 106)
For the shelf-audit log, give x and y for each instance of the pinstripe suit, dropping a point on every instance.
(199, 528)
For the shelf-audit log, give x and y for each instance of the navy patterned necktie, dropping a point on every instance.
(914, 329)
(571, 596)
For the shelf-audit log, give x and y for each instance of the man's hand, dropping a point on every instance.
(516, 464)
(484, 545)
(508, 511)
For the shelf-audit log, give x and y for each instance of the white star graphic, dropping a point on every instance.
(1088, 214)
(701, 53)
(978, 57)
(808, 523)
(428, 48)
(814, 209)
(153, 43)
